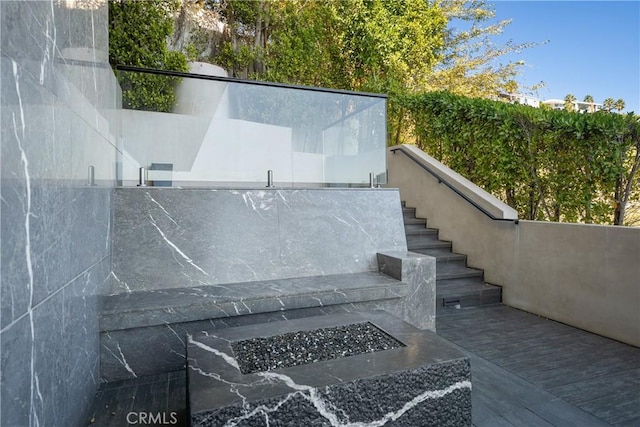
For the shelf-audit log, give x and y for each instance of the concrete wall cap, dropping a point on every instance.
(487, 201)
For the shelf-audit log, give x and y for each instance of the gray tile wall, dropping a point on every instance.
(58, 116)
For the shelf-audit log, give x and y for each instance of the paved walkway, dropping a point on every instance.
(531, 371)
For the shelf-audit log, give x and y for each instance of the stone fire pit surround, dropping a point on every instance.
(426, 382)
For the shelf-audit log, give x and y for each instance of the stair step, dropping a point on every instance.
(433, 244)
(460, 293)
(464, 286)
(408, 215)
(422, 232)
(442, 255)
(415, 221)
(456, 270)
(457, 285)
(415, 227)
(425, 235)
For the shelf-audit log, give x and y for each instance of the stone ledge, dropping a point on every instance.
(161, 307)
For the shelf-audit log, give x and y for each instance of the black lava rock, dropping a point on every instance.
(300, 348)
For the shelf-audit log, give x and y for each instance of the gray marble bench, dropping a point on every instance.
(189, 260)
(144, 332)
(159, 307)
(426, 382)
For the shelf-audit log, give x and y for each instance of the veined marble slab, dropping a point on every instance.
(175, 238)
(57, 118)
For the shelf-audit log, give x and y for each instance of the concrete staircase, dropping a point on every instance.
(457, 285)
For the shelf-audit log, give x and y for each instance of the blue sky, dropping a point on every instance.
(593, 48)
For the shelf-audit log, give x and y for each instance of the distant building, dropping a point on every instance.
(555, 104)
(579, 106)
(518, 98)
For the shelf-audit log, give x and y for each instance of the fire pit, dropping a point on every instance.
(368, 368)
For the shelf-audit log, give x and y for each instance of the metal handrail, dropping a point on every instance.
(249, 82)
(455, 190)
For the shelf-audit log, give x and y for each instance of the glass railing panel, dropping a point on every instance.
(217, 131)
(355, 146)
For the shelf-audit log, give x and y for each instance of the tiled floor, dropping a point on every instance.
(558, 363)
(526, 370)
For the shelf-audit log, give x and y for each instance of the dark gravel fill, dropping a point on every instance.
(300, 348)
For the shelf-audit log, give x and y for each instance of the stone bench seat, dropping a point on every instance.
(178, 305)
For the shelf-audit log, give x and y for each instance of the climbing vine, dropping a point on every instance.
(138, 31)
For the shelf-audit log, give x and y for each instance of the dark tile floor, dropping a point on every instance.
(566, 367)
(526, 370)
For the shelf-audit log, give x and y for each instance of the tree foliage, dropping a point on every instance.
(569, 100)
(547, 164)
(471, 63)
(384, 45)
(345, 44)
(138, 31)
(609, 104)
(391, 46)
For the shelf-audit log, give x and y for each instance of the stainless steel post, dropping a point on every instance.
(142, 177)
(372, 180)
(270, 179)
(91, 176)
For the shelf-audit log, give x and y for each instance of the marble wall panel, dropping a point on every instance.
(167, 238)
(41, 191)
(16, 384)
(50, 355)
(58, 116)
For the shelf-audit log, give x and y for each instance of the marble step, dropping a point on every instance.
(178, 305)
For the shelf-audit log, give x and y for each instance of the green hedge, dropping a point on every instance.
(547, 164)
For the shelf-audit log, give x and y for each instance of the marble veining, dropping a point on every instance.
(55, 246)
(147, 308)
(33, 417)
(402, 385)
(176, 249)
(161, 348)
(168, 238)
